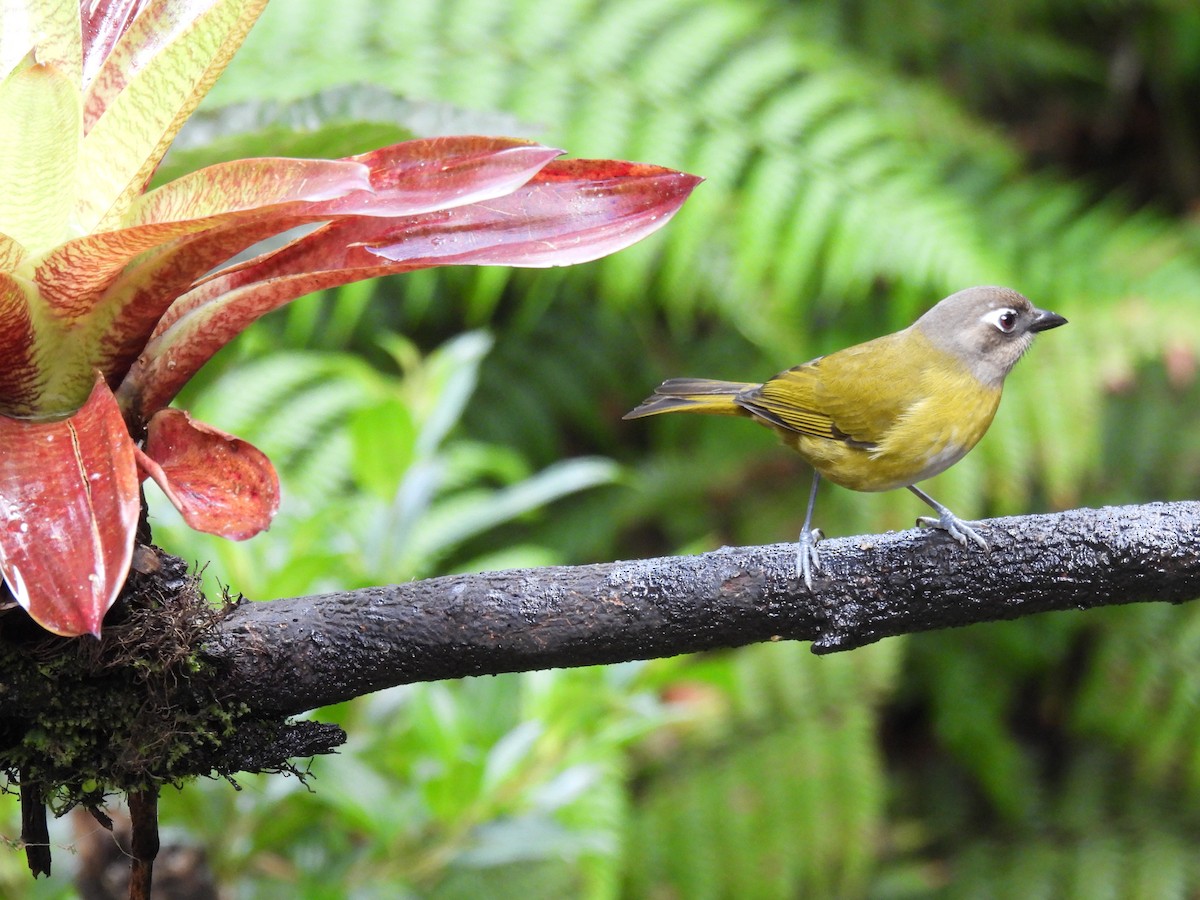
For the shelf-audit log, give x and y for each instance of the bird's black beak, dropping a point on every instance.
(1044, 320)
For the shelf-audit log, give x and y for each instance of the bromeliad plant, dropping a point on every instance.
(112, 297)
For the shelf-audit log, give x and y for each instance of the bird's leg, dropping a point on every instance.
(807, 561)
(947, 521)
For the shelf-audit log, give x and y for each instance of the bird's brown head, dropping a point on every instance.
(987, 328)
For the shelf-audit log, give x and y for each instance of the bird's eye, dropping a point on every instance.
(1004, 320)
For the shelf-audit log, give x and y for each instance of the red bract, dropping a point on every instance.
(68, 509)
(218, 482)
(108, 304)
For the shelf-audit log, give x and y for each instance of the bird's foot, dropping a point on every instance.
(954, 526)
(807, 559)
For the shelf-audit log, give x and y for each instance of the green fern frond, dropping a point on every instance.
(666, 80)
(1103, 840)
(828, 176)
(778, 791)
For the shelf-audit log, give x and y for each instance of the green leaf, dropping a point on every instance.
(465, 516)
(509, 754)
(384, 438)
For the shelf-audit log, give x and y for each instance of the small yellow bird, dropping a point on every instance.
(887, 413)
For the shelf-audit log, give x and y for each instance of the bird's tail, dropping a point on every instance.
(698, 395)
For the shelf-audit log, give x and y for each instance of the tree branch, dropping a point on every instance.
(288, 656)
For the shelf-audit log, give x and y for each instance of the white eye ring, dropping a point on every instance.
(1003, 319)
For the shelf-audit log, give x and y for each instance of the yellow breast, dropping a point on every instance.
(881, 415)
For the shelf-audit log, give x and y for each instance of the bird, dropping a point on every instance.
(887, 413)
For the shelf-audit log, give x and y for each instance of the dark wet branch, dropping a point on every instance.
(288, 656)
(144, 842)
(35, 829)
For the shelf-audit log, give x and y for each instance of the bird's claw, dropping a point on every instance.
(807, 558)
(955, 527)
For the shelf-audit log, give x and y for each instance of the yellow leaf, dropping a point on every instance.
(40, 128)
(49, 28)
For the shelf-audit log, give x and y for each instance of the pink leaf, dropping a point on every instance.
(152, 80)
(406, 179)
(440, 173)
(68, 513)
(135, 302)
(278, 186)
(570, 212)
(127, 278)
(74, 275)
(102, 24)
(117, 51)
(573, 211)
(221, 484)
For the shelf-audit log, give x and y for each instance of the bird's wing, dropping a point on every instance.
(854, 395)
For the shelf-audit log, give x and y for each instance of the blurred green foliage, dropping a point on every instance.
(864, 158)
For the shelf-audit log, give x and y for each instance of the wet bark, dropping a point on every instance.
(288, 656)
